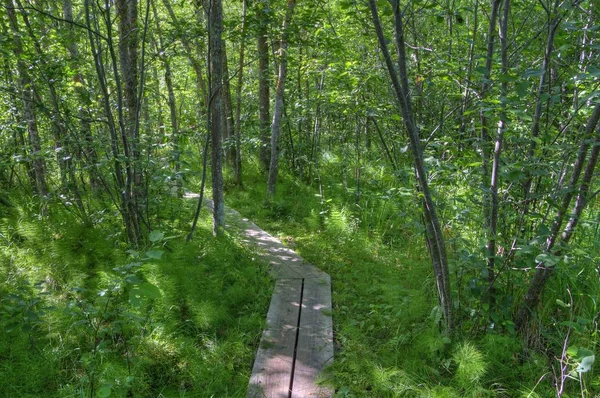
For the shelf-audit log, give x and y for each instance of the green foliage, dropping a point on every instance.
(171, 319)
(470, 365)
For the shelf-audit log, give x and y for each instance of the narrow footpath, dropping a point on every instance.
(297, 342)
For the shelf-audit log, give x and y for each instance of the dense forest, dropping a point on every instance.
(437, 158)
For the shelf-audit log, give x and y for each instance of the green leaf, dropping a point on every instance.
(533, 73)
(104, 391)
(156, 236)
(154, 254)
(548, 259)
(562, 303)
(515, 175)
(149, 290)
(594, 71)
(527, 249)
(135, 298)
(133, 279)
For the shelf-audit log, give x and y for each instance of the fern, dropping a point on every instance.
(470, 365)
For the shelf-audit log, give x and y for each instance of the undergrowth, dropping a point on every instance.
(386, 320)
(83, 316)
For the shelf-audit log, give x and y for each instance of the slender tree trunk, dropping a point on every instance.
(28, 95)
(543, 271)
(238, 105)
(264, 100)
(435, 239)
(215, 29)
(553, 21)
(63, 143)
(489, 59)
(227, 113)
(492, 220)
(467, 92)
(485, 141)
(171, 103)
(190, 54)
(279, 94)
(86, 146)
(123, 178)
(128, 60)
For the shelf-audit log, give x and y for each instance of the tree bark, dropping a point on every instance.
(435, 239)
(542, 270)
(485, 140)
(237, 169)
(279, 94)
(194, 61)
(553, 21)
(63, 143)
(215, 29)
(264, 100)
(227, 113)
(176, 150)
(492, 220)
(86, 146)
(123, 178)
(27, 95)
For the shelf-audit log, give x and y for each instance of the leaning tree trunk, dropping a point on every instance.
(278, 110)
(554, 20)
(543, 270)
(435, 240)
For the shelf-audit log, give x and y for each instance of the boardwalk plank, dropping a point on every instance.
(273, 364)
(297, 342)
(315, 339)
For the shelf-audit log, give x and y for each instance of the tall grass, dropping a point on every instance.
(83, 316)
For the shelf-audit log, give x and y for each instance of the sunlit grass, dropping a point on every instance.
(387, 336)
(197, 338)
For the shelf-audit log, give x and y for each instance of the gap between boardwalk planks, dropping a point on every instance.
(297, 342)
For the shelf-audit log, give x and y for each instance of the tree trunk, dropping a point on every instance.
(542, 270)
(553, 21)
(63, 143)
(264, 100)
(123, 178)
(227, 113)
(436, 244)
(27, 95)
(215, 30)
(194, 61)
(171, 103)
(237, 169)
(86, 146)
(278, 110)
(492, 219)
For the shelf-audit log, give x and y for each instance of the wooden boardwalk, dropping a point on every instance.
(298, 340)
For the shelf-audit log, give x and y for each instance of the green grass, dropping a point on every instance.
(71, 327)
(179, 319)
(387, 339)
